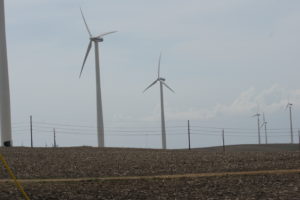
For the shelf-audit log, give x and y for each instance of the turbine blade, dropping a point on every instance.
(287, 105)
(103, 34)
(168, 86)
(150, 85)
(159, 65)
(87, 27)
(86, 55)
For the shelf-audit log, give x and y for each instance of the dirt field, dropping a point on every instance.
(85, 162)
(236, 187)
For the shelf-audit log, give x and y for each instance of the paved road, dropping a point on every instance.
(199, 175)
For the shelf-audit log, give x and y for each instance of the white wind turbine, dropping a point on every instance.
(264, 124)
(96, 40)
(289, 105)
(161, 83)
(258, 126)
(5, 114)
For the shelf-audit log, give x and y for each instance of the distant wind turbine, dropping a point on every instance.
(5, 113)
(96, 40)
(289, 105)
(258, 126)
(264, 124)
(161, 83)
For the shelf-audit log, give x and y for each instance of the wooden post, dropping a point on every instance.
(189, 134)
(299, 138)
(291, 123)
(54, 137)
(31, 139)
(146, 141)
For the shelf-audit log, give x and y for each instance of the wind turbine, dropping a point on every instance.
(96, 40)
(161, 84)
(289, 105)
(258, 126)
(5, 114)
(264, 124)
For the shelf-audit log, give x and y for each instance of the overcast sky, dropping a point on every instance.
(223, 58)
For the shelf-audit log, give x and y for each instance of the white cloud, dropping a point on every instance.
(269, 100)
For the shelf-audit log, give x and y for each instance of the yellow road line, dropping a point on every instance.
(175, 176)
(14, 179)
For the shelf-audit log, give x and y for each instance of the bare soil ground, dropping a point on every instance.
(232, 187)
(85, 162)
(256, 148)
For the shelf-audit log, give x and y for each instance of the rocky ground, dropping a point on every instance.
(94, 162)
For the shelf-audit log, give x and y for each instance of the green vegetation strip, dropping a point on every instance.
(174, 176)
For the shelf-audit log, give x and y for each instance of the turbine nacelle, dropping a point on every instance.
(95, 39)
(161, 79)
(289, 105)
(99, 38)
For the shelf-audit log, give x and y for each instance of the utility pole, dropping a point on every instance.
(299, 138)
(31, 139)
(54, 137)
(146, 142)
(189, 134)
(223, 139)
(258, 129)
(291, 122)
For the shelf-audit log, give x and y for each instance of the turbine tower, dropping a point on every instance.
(5, 115)
(289, 105)
(258, 126)
(264, 124)
(96, 40)
(161, 84)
